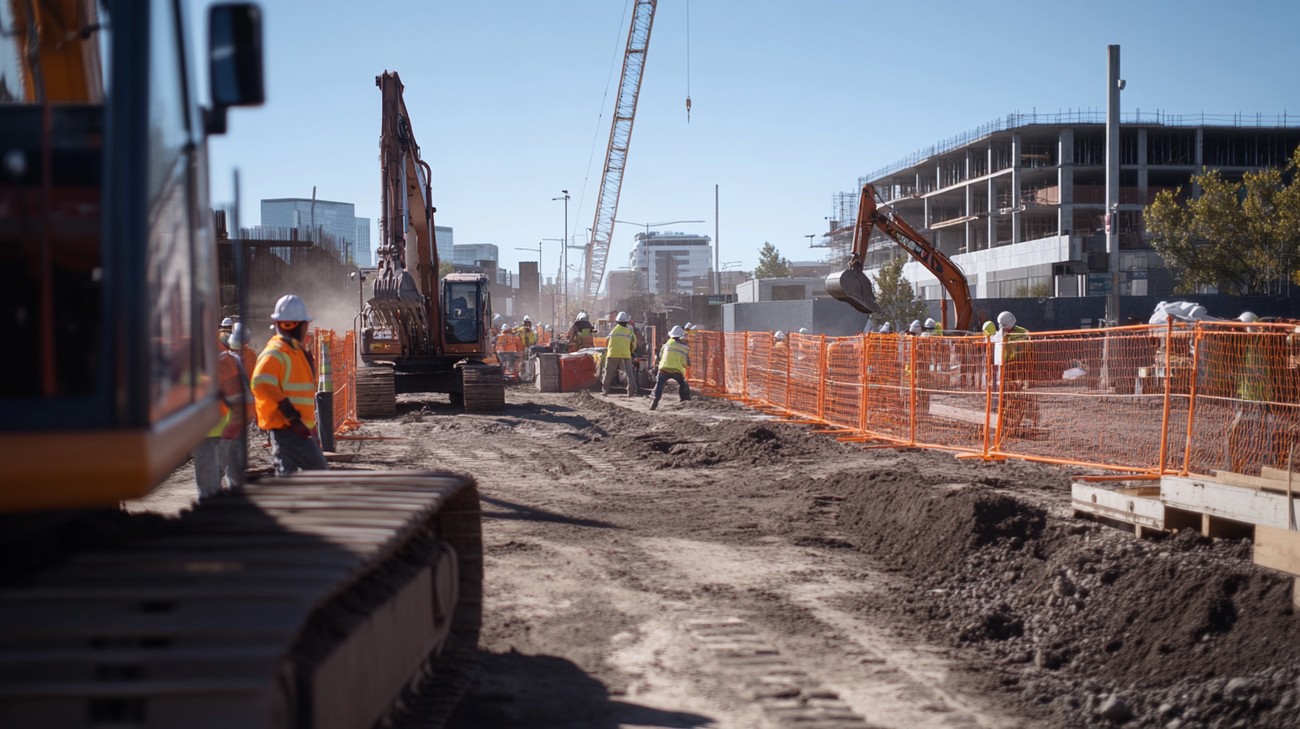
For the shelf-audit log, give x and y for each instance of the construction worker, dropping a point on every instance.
(209, 456)
(284, 388)
(933, 328)
(1250, 437)
(508, 347)
(581, 334)
(618, 355)
(1014, 368)
(233, 380)
(674, 358)
(914, 329)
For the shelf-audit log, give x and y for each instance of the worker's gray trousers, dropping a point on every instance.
(207, 467)
(234, 462)
(292, 452)
(612, 366)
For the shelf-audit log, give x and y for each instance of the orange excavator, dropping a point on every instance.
(852, 285)
(313, 600)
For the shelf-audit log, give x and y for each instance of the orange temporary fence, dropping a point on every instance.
(1147, 399)
(337, 362)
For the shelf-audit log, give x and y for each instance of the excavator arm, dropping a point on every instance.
(852, 285)
(406, 289)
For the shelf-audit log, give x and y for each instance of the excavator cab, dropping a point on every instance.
(110, 309)
(853, 287)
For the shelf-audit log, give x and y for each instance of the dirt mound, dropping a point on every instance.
(684, 443)
(925, 527)
(1081, 623)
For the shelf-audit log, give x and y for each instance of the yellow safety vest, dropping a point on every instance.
(674, 356)
(622, 340)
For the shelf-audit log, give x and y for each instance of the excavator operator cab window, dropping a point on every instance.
(462, 304)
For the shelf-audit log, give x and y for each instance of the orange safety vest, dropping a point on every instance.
(284, 371)
(509, 342)
(233, 384)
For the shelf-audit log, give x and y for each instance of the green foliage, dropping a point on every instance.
(898, 303)
(771, 264)
(445, 268)
(1239, 237)
(1041, 290)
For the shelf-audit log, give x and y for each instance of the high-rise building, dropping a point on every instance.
(471, 254)
(1019, 203)
(671, 262)
(348, 234)
(445, 239)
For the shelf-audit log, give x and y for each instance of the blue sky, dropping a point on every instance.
(791, 102)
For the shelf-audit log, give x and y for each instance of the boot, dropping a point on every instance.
(654, 405)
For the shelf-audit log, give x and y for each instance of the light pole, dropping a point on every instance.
(565, 252)
(648, 226)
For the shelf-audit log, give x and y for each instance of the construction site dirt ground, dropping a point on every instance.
(704, 565)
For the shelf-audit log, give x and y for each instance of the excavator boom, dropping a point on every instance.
(852, 285)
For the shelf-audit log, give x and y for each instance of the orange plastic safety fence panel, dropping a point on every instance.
(951, 391)
(804, 370)
(1245, 405)
(843, 382)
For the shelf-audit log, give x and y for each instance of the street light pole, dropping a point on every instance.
(565, 255)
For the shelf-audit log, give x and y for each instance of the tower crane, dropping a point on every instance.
(620, 134)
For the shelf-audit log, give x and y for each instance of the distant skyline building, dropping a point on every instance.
(471, 254)
(671, 261)
(338, 220)
(445, 239)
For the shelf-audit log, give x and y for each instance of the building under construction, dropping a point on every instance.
(1019, 203)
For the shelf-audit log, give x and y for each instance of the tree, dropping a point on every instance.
(771, 264)
(445, 268)
(898, 303)
(1238, 236)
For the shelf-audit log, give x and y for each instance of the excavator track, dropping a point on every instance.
(317, 600)
(484, 388)
(376, 392)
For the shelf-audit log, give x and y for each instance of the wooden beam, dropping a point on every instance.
(1277, 549)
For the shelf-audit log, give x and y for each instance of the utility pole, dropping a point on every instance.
(717, 274)
(1114, 84)
(565, 263)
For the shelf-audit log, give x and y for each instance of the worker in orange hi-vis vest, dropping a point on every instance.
(508, 348)
(284, 387)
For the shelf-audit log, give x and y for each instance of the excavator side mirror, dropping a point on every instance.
(234, 60)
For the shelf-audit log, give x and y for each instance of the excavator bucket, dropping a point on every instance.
(853, 286)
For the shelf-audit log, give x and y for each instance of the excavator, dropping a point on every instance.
(312, 600)
(852, 285)
(439, 327)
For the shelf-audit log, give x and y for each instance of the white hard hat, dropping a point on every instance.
(929, 323)
(1006, 320)
(528, 319)
(915, 326)
(1248, 316)
(779, 335)
(290, 308)
(886, 328)
(227, 322)
(803, 330)
(582, 316)
(677, 331)
(239, 336)
(550, 328)
(505, 328)
(622, 318)
(495, 317)
(689, 326)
